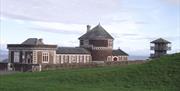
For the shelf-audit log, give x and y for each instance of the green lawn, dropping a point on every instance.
(158, 75)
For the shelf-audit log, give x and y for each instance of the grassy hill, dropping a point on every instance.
(158, 75)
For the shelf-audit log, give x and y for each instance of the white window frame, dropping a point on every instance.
(44, 55)
(16, 57)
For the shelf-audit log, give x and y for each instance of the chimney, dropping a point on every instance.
(40, 40)
(88, 28)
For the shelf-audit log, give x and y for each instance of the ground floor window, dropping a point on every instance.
(45, 57)
(16, 57)
(74, 59)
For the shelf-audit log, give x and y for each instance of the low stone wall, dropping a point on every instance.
(25, 67)
(89, 65)
(124, 62)
(39, 67)
(66, 65)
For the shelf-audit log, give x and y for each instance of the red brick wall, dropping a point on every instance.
(39, 57)
(3, 66)
(51, 55)
(100, 55)
(99, 43)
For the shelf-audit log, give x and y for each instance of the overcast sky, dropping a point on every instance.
(133, 23)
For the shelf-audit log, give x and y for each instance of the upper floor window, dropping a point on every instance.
(86, 42)
(110, 43)
(81, 42)
(45, 57)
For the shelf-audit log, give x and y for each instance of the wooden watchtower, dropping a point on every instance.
(159, 47)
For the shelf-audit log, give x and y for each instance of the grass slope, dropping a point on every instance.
(158, 75)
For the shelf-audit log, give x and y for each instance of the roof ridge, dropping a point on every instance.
(95, 32)
(160, 40)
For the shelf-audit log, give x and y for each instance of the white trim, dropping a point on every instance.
(54, 57)
(34, 57)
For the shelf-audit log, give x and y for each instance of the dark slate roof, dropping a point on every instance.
(119, 52)
(72, 50)
(97, 32)
(33, 41)
(160, 40)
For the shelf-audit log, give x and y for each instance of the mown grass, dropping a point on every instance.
(157, 75)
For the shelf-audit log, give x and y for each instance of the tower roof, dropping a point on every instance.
(97, 33)
(31, 43)
(160, 40)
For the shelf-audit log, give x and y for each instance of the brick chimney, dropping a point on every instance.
(88, 28)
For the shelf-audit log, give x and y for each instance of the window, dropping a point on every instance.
(62, 58)
(73, 58)
(34, 57)
(66, 59)
(45, 57)
(16, 57)
(120, 58)
(109, 58)
(87, 58)
(81, 42)
(126, 58)
(110, 43)
(86, 42)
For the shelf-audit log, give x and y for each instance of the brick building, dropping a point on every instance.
(32, 51)
(96, 45)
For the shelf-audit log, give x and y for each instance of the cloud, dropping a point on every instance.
(124, 29)
(130, 34)
(175, 2)
(67, 11)
(2, 19)
(73, 32)
(120, 35)
(57, 25)
(141, 22)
